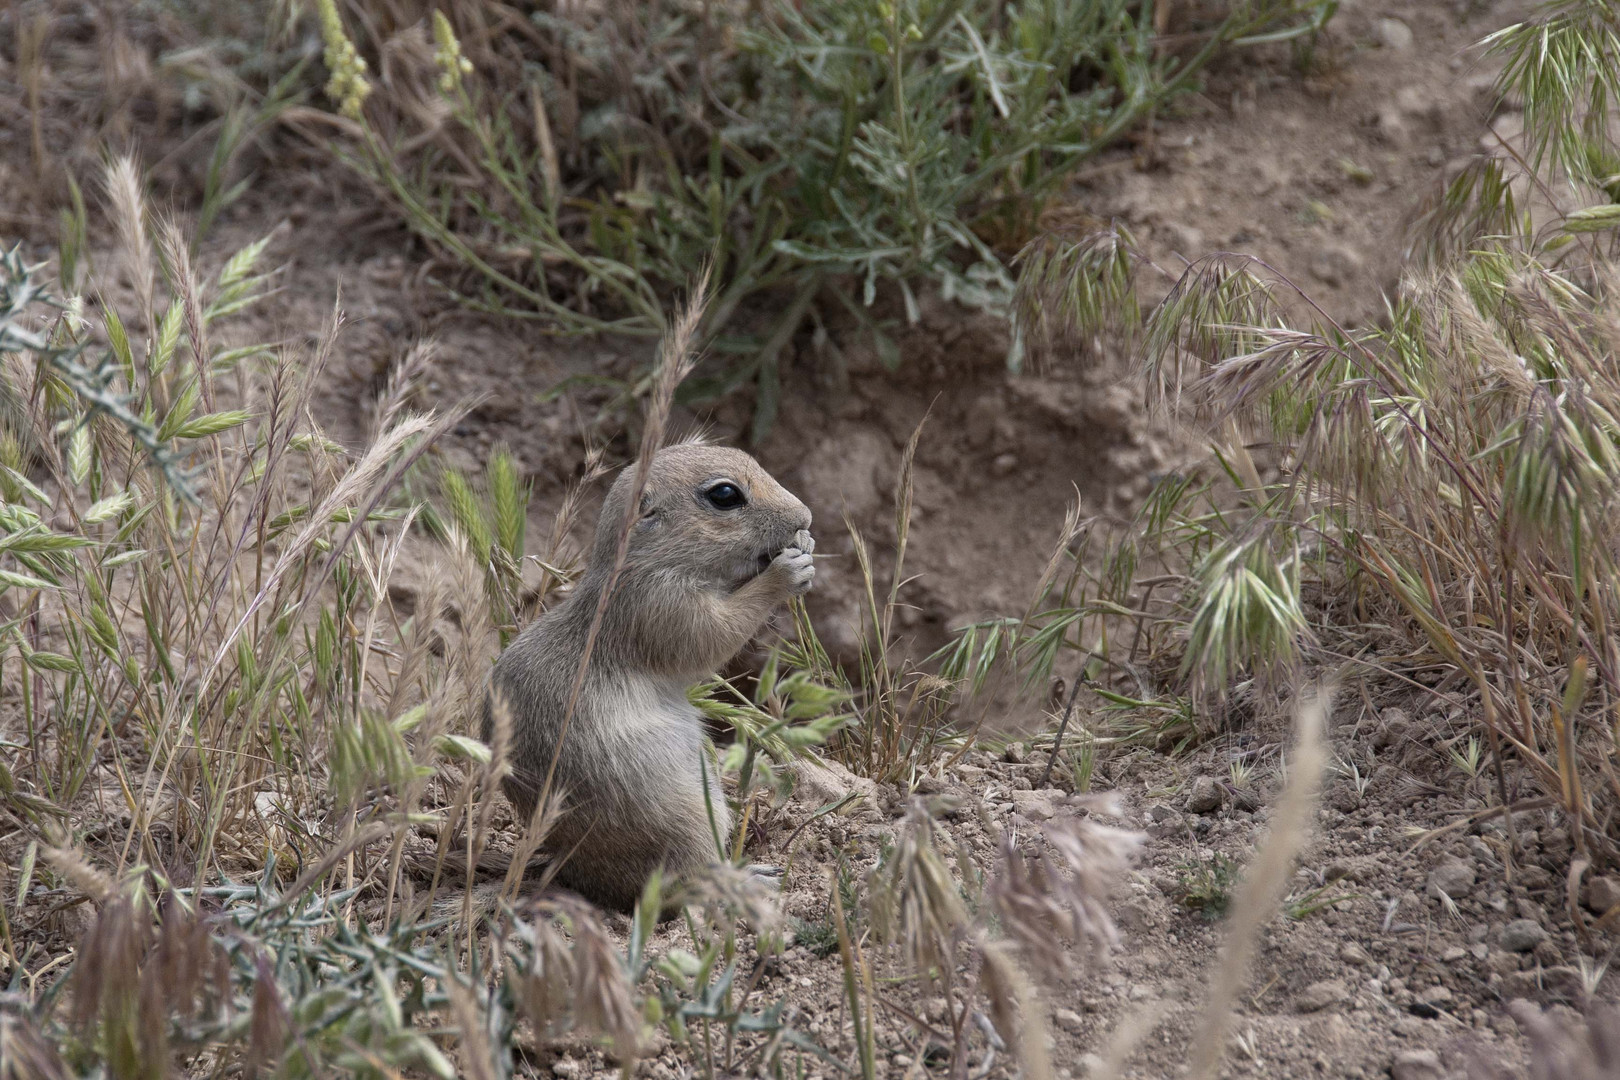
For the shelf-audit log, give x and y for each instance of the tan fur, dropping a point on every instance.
(698, 582)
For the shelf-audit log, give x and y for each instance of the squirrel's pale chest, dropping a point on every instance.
(648, 713)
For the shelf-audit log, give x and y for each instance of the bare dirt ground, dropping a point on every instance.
(1390, 958)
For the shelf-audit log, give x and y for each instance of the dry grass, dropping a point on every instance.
(1263, 886)
(1435, 494)
(195, 599)
(1559, 1049)
(232, 740)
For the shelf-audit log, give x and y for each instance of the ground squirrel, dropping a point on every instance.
(716, 546)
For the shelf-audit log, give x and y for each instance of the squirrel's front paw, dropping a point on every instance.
(795, 564)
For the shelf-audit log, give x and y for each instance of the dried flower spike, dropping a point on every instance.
(348, 85)
(447, 54)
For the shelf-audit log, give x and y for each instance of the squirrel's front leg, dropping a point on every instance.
(692, 639)
(789, 574)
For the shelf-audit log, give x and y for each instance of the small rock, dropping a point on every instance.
(1319, 995)
(1035, 805)
(566, 1068)
(1068, 1020)
(1416, 1065)
(1391, 126)
(827, 781)
(1185, 239)
(1393, 34)
(1334, 264)
(1522, 935)
(1435, 996)
(1351, 953)
(1014, 754)
(1559, 983)
(1091, 1064)
(1004, 465)
(1392, 725)
(1535, 878)
(1163, 822)
(1453, 954)
(1451, 877)
(1419, 103)
(1204, 797)
(1341, 870)
(1344, 797)
(1602, 894)
(1502, 963)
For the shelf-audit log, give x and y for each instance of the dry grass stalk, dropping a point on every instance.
(128, 211)
(477, 1056)
(676, 357)
(26, 1052)
(1039, 904)
(1015, 1006)
(916, 901)
(577, 979)
(1256, 899)
(1559, 1048)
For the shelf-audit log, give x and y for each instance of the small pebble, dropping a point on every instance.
(1451, 877)
(1416, 1065)
(1319, 995)
(1602, 894)
(1067, 1019)
(1351, 953)
(1436, 996)
(1334, 264)
(1035, 805)
(1393, 34)
(1204, 797)
(1522, 935)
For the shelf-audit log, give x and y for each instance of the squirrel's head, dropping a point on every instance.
(708, 513)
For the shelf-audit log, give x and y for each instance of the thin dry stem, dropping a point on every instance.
(1255, 902)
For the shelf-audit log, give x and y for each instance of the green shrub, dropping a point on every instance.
(583, 164)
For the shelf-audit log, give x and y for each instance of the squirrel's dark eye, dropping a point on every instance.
(726, 496)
